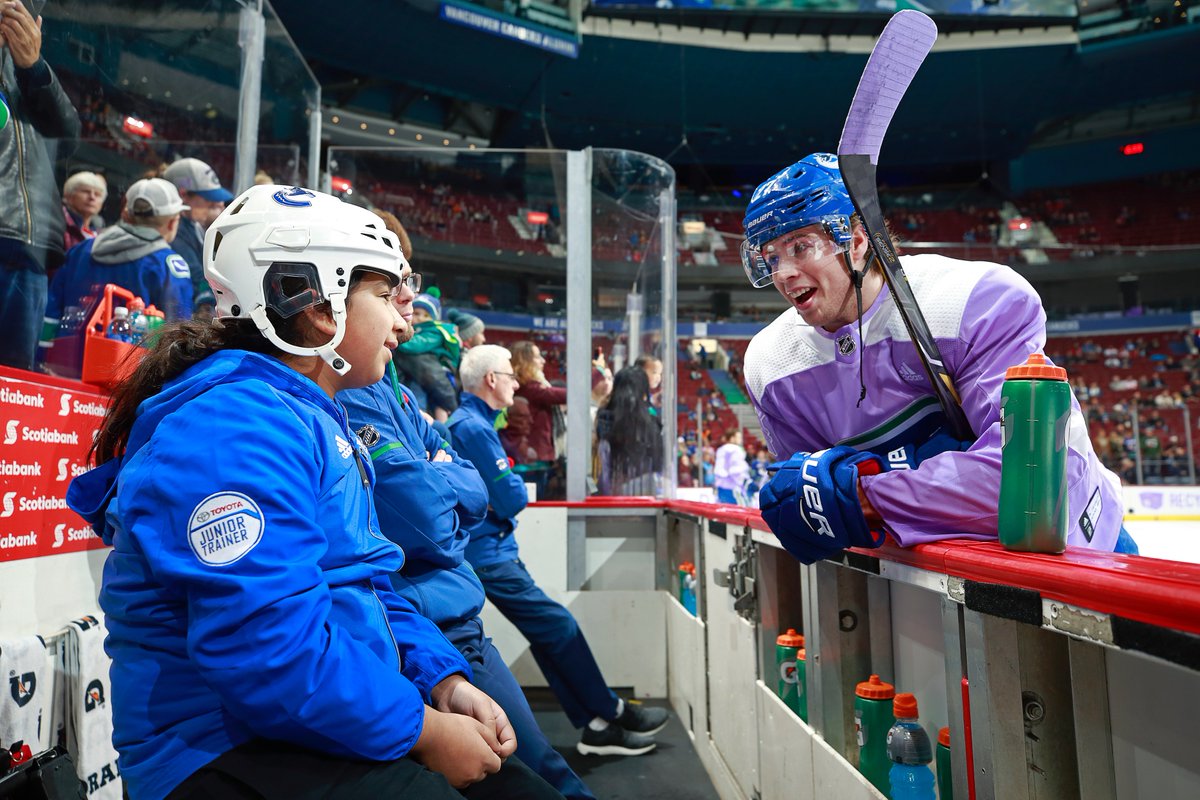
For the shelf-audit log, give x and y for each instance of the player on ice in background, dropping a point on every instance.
(840, 388)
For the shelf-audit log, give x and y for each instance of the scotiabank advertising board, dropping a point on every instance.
(45, 433)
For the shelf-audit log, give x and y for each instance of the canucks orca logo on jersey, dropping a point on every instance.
(178, 266)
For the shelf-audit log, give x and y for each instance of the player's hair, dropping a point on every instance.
(478, 362)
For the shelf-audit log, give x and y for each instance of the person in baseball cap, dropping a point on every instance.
(202, 191)
(194, 177)
(135, 254)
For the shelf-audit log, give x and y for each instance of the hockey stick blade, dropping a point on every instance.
(903, 45)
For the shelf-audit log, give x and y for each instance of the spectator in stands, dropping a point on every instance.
(430, 358)
(244, 544)
(515, 433)
(134, 254)
(545, 404)
(814, 384)
(201, 189)
(83, 197)
(602, 385)
(31, 217)
(731, 470)
(629, 438)
(261, 178)
(427, 498)
(611, 726)
(470, 327)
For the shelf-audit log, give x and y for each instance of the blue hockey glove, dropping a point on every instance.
(811, 503)
(912, 456)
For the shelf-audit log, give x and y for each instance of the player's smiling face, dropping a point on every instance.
(809, 270)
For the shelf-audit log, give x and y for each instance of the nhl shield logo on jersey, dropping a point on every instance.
(224, 527)
(22, 686)
(845, 344)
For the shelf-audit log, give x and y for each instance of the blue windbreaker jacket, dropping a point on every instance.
(246, 594)
(473, 428)
(424, 506)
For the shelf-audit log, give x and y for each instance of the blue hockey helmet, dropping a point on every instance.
(809, 192)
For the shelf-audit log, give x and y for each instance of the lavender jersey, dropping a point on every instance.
(804, 383)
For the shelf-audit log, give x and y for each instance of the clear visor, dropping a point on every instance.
(794, 250)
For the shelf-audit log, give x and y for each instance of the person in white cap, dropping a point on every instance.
(135, 254)
(201, 189)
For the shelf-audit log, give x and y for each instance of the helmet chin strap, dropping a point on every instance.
(326, 351)
(856, 277)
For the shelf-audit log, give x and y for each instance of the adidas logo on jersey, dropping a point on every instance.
(343, 447)
(909, 374)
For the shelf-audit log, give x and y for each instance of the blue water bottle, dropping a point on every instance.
(120, 327)
(910, 751)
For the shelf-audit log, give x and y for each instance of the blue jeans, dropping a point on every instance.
(494, 678)
(555, 640)
(22, 306)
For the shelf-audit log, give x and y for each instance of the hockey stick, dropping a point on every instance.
(903, 45)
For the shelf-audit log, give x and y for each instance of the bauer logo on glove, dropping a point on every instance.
(811, 503)
(812, 509)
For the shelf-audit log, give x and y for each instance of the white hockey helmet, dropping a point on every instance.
(286, 249)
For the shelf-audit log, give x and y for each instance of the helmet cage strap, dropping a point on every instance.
(326, 351)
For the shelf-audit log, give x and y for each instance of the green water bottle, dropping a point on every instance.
(801, 684)
(872, 720)
(945, 780)
(1035, 409)
(786, 646)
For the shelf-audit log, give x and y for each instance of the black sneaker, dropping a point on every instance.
(614, 741)
(639, 718)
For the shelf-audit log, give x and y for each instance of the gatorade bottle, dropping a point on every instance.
(786, 646)
(1035, 408)
(689, 597)
(945, 779)
(910, 753)
(872, 719)
(119, 328)
(802, 683)
(138, 320)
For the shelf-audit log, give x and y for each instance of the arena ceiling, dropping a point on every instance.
(735, 107)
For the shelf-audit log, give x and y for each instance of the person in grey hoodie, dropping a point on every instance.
(135, 254)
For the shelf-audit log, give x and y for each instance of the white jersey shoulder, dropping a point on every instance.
(782, 348)
(941, 285)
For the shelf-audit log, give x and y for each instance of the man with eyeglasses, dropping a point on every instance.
(427, 497)
(840, 388)
(610, 725)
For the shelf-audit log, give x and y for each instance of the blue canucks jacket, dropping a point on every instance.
(473, 428)
(424, 506)
(246, 594)
(133, 257)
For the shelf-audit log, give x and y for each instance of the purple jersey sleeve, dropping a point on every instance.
(956, 494)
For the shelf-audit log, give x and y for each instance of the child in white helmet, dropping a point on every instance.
(258, 649)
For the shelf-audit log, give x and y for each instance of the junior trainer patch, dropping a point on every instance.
(224, 527)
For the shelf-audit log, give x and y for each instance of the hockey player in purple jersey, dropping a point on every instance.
(840, 388)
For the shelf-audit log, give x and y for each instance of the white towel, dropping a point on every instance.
(89, 717)
(27, 686)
